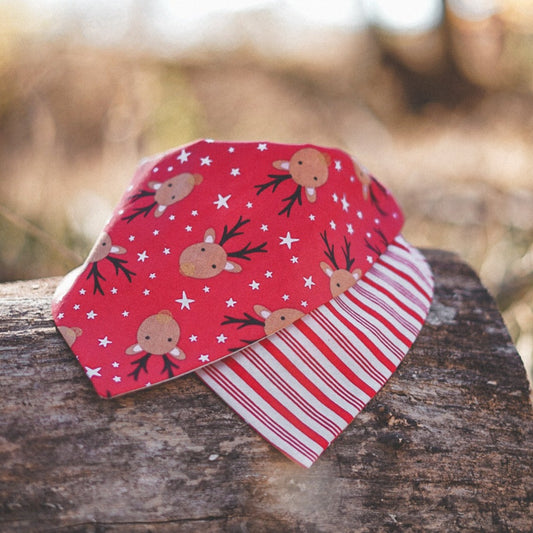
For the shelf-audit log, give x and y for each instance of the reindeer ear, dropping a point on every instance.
(356, 273)
(154, 185)
(327, 158)
(77, 331)
(310, 192)
(198, 178)
(133, 349)
(209, 235)
(232, 267)
(178, 353)
(326, 269)
(160, 210)
(119, 250)
(262, 311)
(281, 165)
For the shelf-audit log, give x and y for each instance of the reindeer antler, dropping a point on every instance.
(346, 251)
(140, 211)
(119, 266)
(233, 232)
(168, 366)
(295, 196)
(243, 253)
(248, 320)
(274, 182)
(140, 364)
(330, 253)
(97, 276)
(373, 197)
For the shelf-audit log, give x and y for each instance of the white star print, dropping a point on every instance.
(156, 232)
(142, 257)
(155, 170)
(268, 274)
(91, 315)
(205, 161)
(349, 228)
(204, 358)
(369, 235)
(125, 313)
(104, 342)
(171, 217)
(193, 338)
(76, 307)
(82, 291)
(222, 201)
(183, 157)
(335, 197)
(146, 292)
(312, 217)
(117, 379)
(235, 172)
(152, 275)
(303, 303)
(309, 282)
(262, 147)
(249, 205)
(288, 240)
(294, 259)
(194, 213)
(166, 251)
(188, 228)
(184, 301)
(345, 204)
(206, 289)
(61, 315)
(221, 339)
(114, 290)
(114, 364)
(285, 297)
(359, 214)
(332, 224)
(131, 238)
(93, 372)
(254, 285)
(338, 165)
(264, 227)
(170, 169)
(231, 302)
(231, 149)
(377, 221)
(369, 259)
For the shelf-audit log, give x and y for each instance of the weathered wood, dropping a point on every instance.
(447, 445)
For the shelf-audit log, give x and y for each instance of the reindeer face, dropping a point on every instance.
(309, 168)
(103, 247)
(157, 335)
(340, 280)
(175, 189)
(279, 319)
(206, 259)
(70, 334)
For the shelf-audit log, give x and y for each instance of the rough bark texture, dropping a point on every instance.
(447, 445)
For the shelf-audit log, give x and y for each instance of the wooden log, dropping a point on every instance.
(447, 445)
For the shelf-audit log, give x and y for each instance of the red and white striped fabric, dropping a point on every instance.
(301, 386)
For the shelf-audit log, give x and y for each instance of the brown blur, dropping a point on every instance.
(444, 118)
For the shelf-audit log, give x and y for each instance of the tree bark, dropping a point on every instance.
(447, 445)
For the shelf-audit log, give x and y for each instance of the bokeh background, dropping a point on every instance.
(434, 96)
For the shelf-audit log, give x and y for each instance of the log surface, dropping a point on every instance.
(447, 445)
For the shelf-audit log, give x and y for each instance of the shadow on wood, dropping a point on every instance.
(446, 445)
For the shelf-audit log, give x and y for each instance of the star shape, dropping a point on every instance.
(76, 307)
(183, 157)
(93, 372)
(264, 227)
(170, 168)
(104, 342)
(156, 232)
(235, 172)
(359, 214)
(335, 197)
(206, 289)
(152, 275)
(222, 201)
(294, 259)
(377, 221)
(285, 297)
(114, 290)
(114, 364)
(193, 338)
(142, 257)
(221, 339)
(146, 292)
(349, 228)
(61, 315)
(185, 301)
(262, 147)
(231, 302)
(204, 358)
(231, 149)
(312, 217)
(309, 282)
(166, 251)
(91, 315)
(249, 205)
(332, 224)
(188, 228)
(303, 303)
(117, 379)
(194, 212)
(268, 274)
(171, 217)
(82, 291)
(369, 259)
(345, 204)
(125, 313)
(205, 161)
(131, 238)
(338, 165)
(288, 240)
(254, 285)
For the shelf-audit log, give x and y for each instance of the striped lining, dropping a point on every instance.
(300, 387)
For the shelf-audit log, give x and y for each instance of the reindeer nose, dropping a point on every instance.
(187, 269)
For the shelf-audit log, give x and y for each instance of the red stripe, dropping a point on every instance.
(221, 379)
(304, 380)
(332, 357)
(275, 403)
(351, 350)
(290, 392)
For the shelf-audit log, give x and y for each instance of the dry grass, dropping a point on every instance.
(74, 122)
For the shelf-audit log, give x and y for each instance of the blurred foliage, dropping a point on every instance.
(74, 122)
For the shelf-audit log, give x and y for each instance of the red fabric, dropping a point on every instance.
(275, 220)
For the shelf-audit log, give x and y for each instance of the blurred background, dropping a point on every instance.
(434, 96)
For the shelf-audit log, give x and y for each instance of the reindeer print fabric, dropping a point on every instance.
(214, 246)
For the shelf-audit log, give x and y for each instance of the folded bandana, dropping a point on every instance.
(277, 272)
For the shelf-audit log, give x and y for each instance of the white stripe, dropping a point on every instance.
(351, 351)
(252, 418)
(321, 371)
(418, 263)
(323, 414)
(280, 394)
